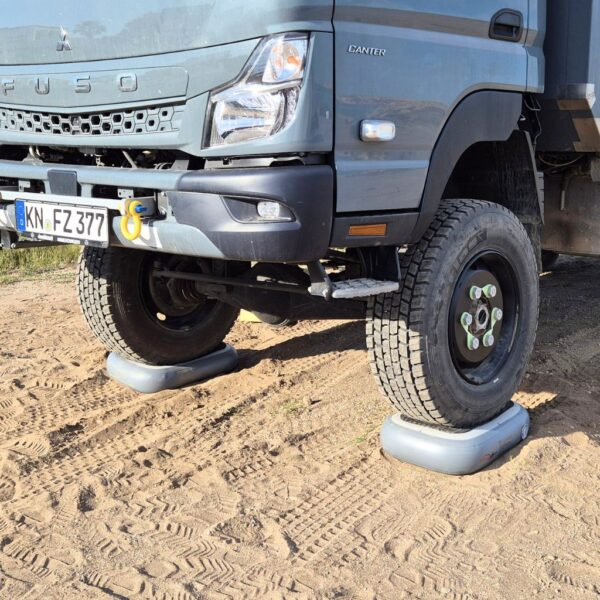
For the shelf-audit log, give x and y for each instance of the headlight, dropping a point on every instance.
(263, 101)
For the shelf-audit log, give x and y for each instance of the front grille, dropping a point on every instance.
(122, 122)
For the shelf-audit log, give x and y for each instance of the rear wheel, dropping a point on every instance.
(147, 318)
(450, 348)
(277, 273)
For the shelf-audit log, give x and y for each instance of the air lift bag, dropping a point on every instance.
(460, 453)
(147, 379)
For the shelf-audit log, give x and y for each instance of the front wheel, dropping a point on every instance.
(451, 347)
(147, 318)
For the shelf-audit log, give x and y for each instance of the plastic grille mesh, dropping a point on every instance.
(120, 122)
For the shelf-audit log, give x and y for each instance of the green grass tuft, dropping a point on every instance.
(24, 264)
(291, 407)
(361, 439)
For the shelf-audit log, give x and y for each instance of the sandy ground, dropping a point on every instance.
(269, 482)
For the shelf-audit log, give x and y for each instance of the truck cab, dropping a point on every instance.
(301, 159)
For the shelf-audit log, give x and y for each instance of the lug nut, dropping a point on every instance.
(475, 293)
(466, 319)
(490, 291)
(488, 340)
(498, 314)
(474, 344)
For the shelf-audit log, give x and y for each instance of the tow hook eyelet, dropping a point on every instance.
(134, 211)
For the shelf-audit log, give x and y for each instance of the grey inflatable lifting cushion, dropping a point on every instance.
(459, 453)
(149, 380)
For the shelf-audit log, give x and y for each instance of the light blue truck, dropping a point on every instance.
(411, 162)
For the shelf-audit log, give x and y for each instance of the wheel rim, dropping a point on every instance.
(173, 304)
(484, 317)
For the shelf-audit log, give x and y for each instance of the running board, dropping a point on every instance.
(358, 288)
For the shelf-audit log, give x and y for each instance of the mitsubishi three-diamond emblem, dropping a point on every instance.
(64, 45)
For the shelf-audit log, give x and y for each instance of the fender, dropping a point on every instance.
(486, 116)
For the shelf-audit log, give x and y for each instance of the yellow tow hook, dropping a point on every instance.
(134, 210)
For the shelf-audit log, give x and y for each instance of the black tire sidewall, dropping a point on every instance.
(141, 334)
(493, 230)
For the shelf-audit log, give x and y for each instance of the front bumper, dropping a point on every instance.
(197, 217)
(203, 200)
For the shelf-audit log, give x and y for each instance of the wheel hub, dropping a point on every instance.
(477, 313)
(482, 317)
(175, 303)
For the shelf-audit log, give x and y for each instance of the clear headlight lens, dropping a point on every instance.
(263, 101)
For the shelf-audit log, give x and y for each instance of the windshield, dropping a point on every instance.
(63, 31)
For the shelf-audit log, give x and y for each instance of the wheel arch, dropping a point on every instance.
(481, 154)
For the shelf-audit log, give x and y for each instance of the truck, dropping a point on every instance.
(412, 163)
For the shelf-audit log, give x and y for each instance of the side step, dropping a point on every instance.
(363, 288)
(359, 288)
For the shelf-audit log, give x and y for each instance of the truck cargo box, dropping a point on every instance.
(571, 112)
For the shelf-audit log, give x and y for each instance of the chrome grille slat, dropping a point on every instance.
(151, 119)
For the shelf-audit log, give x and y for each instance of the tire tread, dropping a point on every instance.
(395, 341)
(96, 271)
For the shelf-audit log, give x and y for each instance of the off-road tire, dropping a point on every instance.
(275, 322)
(109, 290)
(408, 332)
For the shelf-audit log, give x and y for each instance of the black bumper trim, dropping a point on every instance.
(307, 191)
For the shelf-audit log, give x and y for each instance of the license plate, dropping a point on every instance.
(62, 223)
